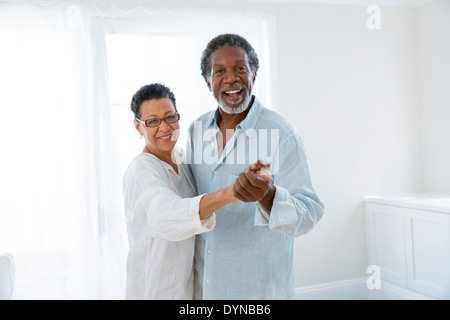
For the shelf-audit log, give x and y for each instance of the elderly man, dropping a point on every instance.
(249, 254)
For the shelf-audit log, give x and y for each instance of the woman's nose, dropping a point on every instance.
(164, 126)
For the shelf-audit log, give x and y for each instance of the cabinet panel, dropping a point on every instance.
(428, 252)
(409, 238)
(387, 242)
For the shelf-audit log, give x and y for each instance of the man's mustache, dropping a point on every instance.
(235, 86)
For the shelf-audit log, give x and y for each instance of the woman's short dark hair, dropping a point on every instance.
(227, 40)
(149, 92)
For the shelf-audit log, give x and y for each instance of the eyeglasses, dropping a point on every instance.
(154, 122)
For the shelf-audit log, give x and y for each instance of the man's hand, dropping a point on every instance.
(255, 184)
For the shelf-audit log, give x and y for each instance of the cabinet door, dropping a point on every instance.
(428, 252)
(386, 241)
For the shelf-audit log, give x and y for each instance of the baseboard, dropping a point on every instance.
(390, 291)
(356, 289)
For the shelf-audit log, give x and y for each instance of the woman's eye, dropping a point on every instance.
(171, 117)
(153, 122)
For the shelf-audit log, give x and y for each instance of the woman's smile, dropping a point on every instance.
(165, 138)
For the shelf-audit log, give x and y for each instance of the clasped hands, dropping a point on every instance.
(254, 183)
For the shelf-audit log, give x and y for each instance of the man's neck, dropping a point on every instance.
(231, 120)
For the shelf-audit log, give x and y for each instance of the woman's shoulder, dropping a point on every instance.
(144, 163)
(145, 159)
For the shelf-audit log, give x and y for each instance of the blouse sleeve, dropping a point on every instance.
(169, 216)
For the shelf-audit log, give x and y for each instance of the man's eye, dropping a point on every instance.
(218, 71)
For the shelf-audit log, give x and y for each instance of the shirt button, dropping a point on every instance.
(207, 280)
(215, 172)
(209, 251)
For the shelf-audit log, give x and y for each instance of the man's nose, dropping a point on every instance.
(231, 77)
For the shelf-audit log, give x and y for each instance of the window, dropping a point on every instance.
(67, 76)
(42, 186)
(173, 60)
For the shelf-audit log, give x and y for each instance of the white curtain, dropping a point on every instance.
(68, 70)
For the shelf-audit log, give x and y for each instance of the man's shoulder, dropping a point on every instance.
(201, 119)
(273, 119)
(205, 115)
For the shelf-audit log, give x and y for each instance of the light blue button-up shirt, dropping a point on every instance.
(249, 253)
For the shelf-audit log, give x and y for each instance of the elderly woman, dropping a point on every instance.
(162, 209)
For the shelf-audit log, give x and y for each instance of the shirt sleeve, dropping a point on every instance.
(168, 215)
(296, 207)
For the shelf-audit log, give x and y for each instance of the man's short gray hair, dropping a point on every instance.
(227, 40)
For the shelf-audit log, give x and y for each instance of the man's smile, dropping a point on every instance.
(233, 95)
(233, 91)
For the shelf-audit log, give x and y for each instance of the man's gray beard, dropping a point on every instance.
(240, 109)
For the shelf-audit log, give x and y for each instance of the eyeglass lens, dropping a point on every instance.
(157, 121)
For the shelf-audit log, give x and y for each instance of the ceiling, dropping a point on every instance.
(388, 3)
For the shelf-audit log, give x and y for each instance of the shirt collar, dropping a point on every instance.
(252, 117)
(212, 120)
(177, 155)
(248, 123)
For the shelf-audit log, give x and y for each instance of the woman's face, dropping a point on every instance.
(161, 139)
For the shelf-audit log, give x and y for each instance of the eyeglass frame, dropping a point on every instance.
(144, 122)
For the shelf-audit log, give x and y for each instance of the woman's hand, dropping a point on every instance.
(262, 170)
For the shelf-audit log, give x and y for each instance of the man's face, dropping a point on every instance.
(231, 80)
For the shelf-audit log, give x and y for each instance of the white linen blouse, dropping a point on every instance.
(162, 217)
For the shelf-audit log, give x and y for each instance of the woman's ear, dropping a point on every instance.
(137, 125)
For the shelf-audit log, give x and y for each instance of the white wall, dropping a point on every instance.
(351, 92)
(434, 52)
(355, 97)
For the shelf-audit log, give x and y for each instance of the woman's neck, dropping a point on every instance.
(166, 157)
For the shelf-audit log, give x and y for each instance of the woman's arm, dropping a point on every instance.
(213, 201)
(216, 200)
(148, 195)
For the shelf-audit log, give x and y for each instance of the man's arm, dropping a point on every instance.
(294, 206)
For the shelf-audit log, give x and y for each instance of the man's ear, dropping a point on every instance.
(208, 84)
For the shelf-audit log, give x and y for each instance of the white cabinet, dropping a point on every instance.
(409, 239)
